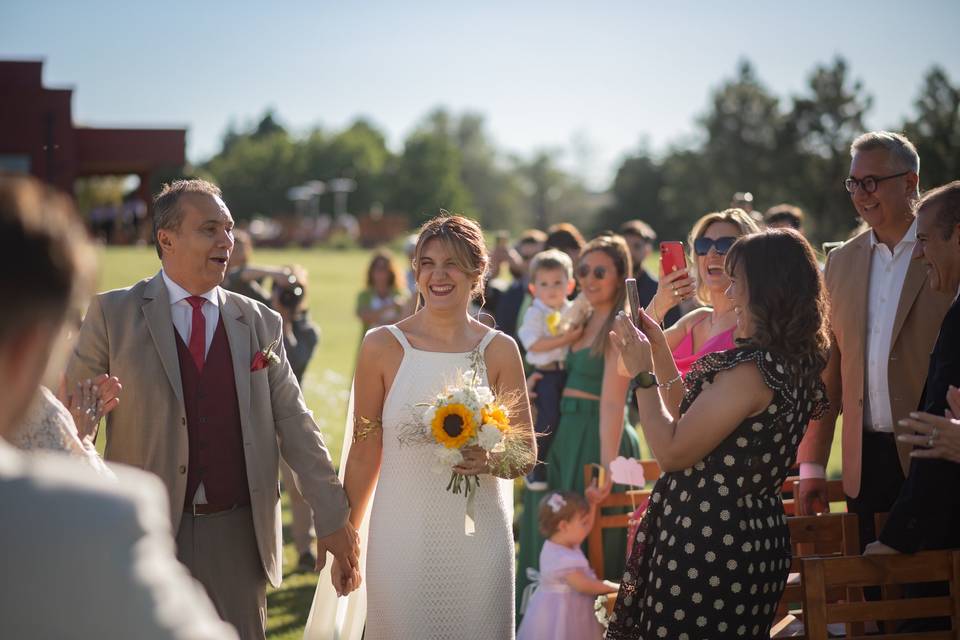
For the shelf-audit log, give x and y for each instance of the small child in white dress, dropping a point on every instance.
(561, 607)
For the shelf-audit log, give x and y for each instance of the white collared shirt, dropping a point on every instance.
(182, 312)
(888, 270)
(534, 327)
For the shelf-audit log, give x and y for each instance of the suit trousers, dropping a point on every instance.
(220, 550)
(302, 526)
(880, 480)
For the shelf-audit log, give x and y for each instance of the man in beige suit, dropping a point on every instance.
(209, 404)
(884, 320)
(83, 557)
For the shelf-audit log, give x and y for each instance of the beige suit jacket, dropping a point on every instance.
(87, 557)
(129, 333)
(920, 311)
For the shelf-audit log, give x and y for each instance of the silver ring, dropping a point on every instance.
(934, 433)
(930, 442)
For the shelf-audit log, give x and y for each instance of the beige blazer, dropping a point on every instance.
(129, 333)
(88, 557)
(920, 311)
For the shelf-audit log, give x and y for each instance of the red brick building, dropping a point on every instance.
(38, 136)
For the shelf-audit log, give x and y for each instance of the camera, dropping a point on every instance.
(291, 292)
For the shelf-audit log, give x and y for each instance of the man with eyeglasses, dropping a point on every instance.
(884, 320)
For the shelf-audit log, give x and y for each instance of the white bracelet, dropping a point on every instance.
(667, 385)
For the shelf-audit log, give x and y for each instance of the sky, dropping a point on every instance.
(597, 80)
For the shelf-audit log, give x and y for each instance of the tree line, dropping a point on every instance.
(793, 150)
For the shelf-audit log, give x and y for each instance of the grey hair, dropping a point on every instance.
(166, 212)
(896, 144)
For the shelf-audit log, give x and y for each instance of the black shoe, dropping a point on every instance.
(307, 562)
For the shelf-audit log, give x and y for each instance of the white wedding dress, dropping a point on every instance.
(424, 577)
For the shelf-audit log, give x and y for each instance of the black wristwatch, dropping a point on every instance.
(645, 380)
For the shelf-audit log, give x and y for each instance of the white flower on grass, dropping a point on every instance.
(489, 437)
(445, 459)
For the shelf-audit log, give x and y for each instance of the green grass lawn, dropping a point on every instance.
(335, 279)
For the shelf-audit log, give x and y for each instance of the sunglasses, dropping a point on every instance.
(701, 246)
(599, 273)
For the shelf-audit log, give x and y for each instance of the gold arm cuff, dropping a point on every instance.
(363, 427)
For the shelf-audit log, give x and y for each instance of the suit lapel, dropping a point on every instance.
(156, 311)
(238, 335)
(912, 285)
(860, 292)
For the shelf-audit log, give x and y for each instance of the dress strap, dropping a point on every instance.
(487, 339)
(399, 335)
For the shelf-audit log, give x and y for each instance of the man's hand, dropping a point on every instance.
(344, 544)
(811, 497)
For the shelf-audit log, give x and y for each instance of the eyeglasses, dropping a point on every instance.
(701, 246)
(599, 273)
(868, 183)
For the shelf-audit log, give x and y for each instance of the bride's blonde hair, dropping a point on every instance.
(463, 238)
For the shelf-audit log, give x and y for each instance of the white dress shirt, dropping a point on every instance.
(182, 313)
(888, 270)
(534, 327)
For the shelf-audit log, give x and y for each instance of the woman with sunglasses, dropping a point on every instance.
(592, 428)
(709, 328)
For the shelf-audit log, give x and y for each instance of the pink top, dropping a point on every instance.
(684, 356)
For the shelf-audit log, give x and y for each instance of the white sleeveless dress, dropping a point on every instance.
(425, 579)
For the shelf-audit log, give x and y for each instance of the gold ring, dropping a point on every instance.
(676, 293)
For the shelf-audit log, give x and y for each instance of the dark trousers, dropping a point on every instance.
(548, 390)
(880, 480)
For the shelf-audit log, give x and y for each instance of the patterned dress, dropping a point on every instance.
(712, 553)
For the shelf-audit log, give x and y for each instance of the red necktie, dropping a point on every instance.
(198, 332)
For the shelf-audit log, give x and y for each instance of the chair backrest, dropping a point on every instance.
(823, 574)
(614, 512)
(826, 534)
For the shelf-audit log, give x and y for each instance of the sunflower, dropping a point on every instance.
(453, 425)
(495, 414)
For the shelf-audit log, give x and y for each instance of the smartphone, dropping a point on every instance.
(672, 256)
(599, 473)
(633, 295)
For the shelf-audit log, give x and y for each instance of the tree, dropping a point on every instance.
(824, 123)
(636, 194)
(427, 178)
(936, 129)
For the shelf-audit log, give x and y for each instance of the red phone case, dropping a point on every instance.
(672, 256)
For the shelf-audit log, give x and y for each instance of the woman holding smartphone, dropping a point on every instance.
(709, 328)
(712, 552)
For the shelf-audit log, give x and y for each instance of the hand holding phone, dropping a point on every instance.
(633, 295)
(672, 256)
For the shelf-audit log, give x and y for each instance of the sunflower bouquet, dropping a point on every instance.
(467, 413)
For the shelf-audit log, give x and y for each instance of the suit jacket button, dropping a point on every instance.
(182, 469)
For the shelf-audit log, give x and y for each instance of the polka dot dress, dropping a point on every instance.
(712, 553)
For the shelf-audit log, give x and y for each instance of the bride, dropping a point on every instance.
(424, 577)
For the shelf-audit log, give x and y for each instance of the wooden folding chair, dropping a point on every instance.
(820, 575)
(610, 514)
(827, 534)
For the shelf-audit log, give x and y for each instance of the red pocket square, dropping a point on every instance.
(260, 361)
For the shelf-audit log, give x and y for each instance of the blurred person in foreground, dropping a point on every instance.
(213, 404)
(383, 301)
(784, 216)
(926, 514)
(708, 328)
(641, 239)
(300, 338)
(884, 319)
(714, 532)
(84, 557)
(242, 277)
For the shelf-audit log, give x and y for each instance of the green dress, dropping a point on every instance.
(577, 443)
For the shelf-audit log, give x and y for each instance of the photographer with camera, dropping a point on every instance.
(300, 338)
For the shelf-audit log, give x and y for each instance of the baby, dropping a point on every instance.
(547, 343)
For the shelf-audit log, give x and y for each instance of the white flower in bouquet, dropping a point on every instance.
(490, 436)
(485, 396)
(445, 458)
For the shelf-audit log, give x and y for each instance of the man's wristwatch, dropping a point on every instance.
(645, 380)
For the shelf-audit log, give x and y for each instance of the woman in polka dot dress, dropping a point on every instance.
(711, 556)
